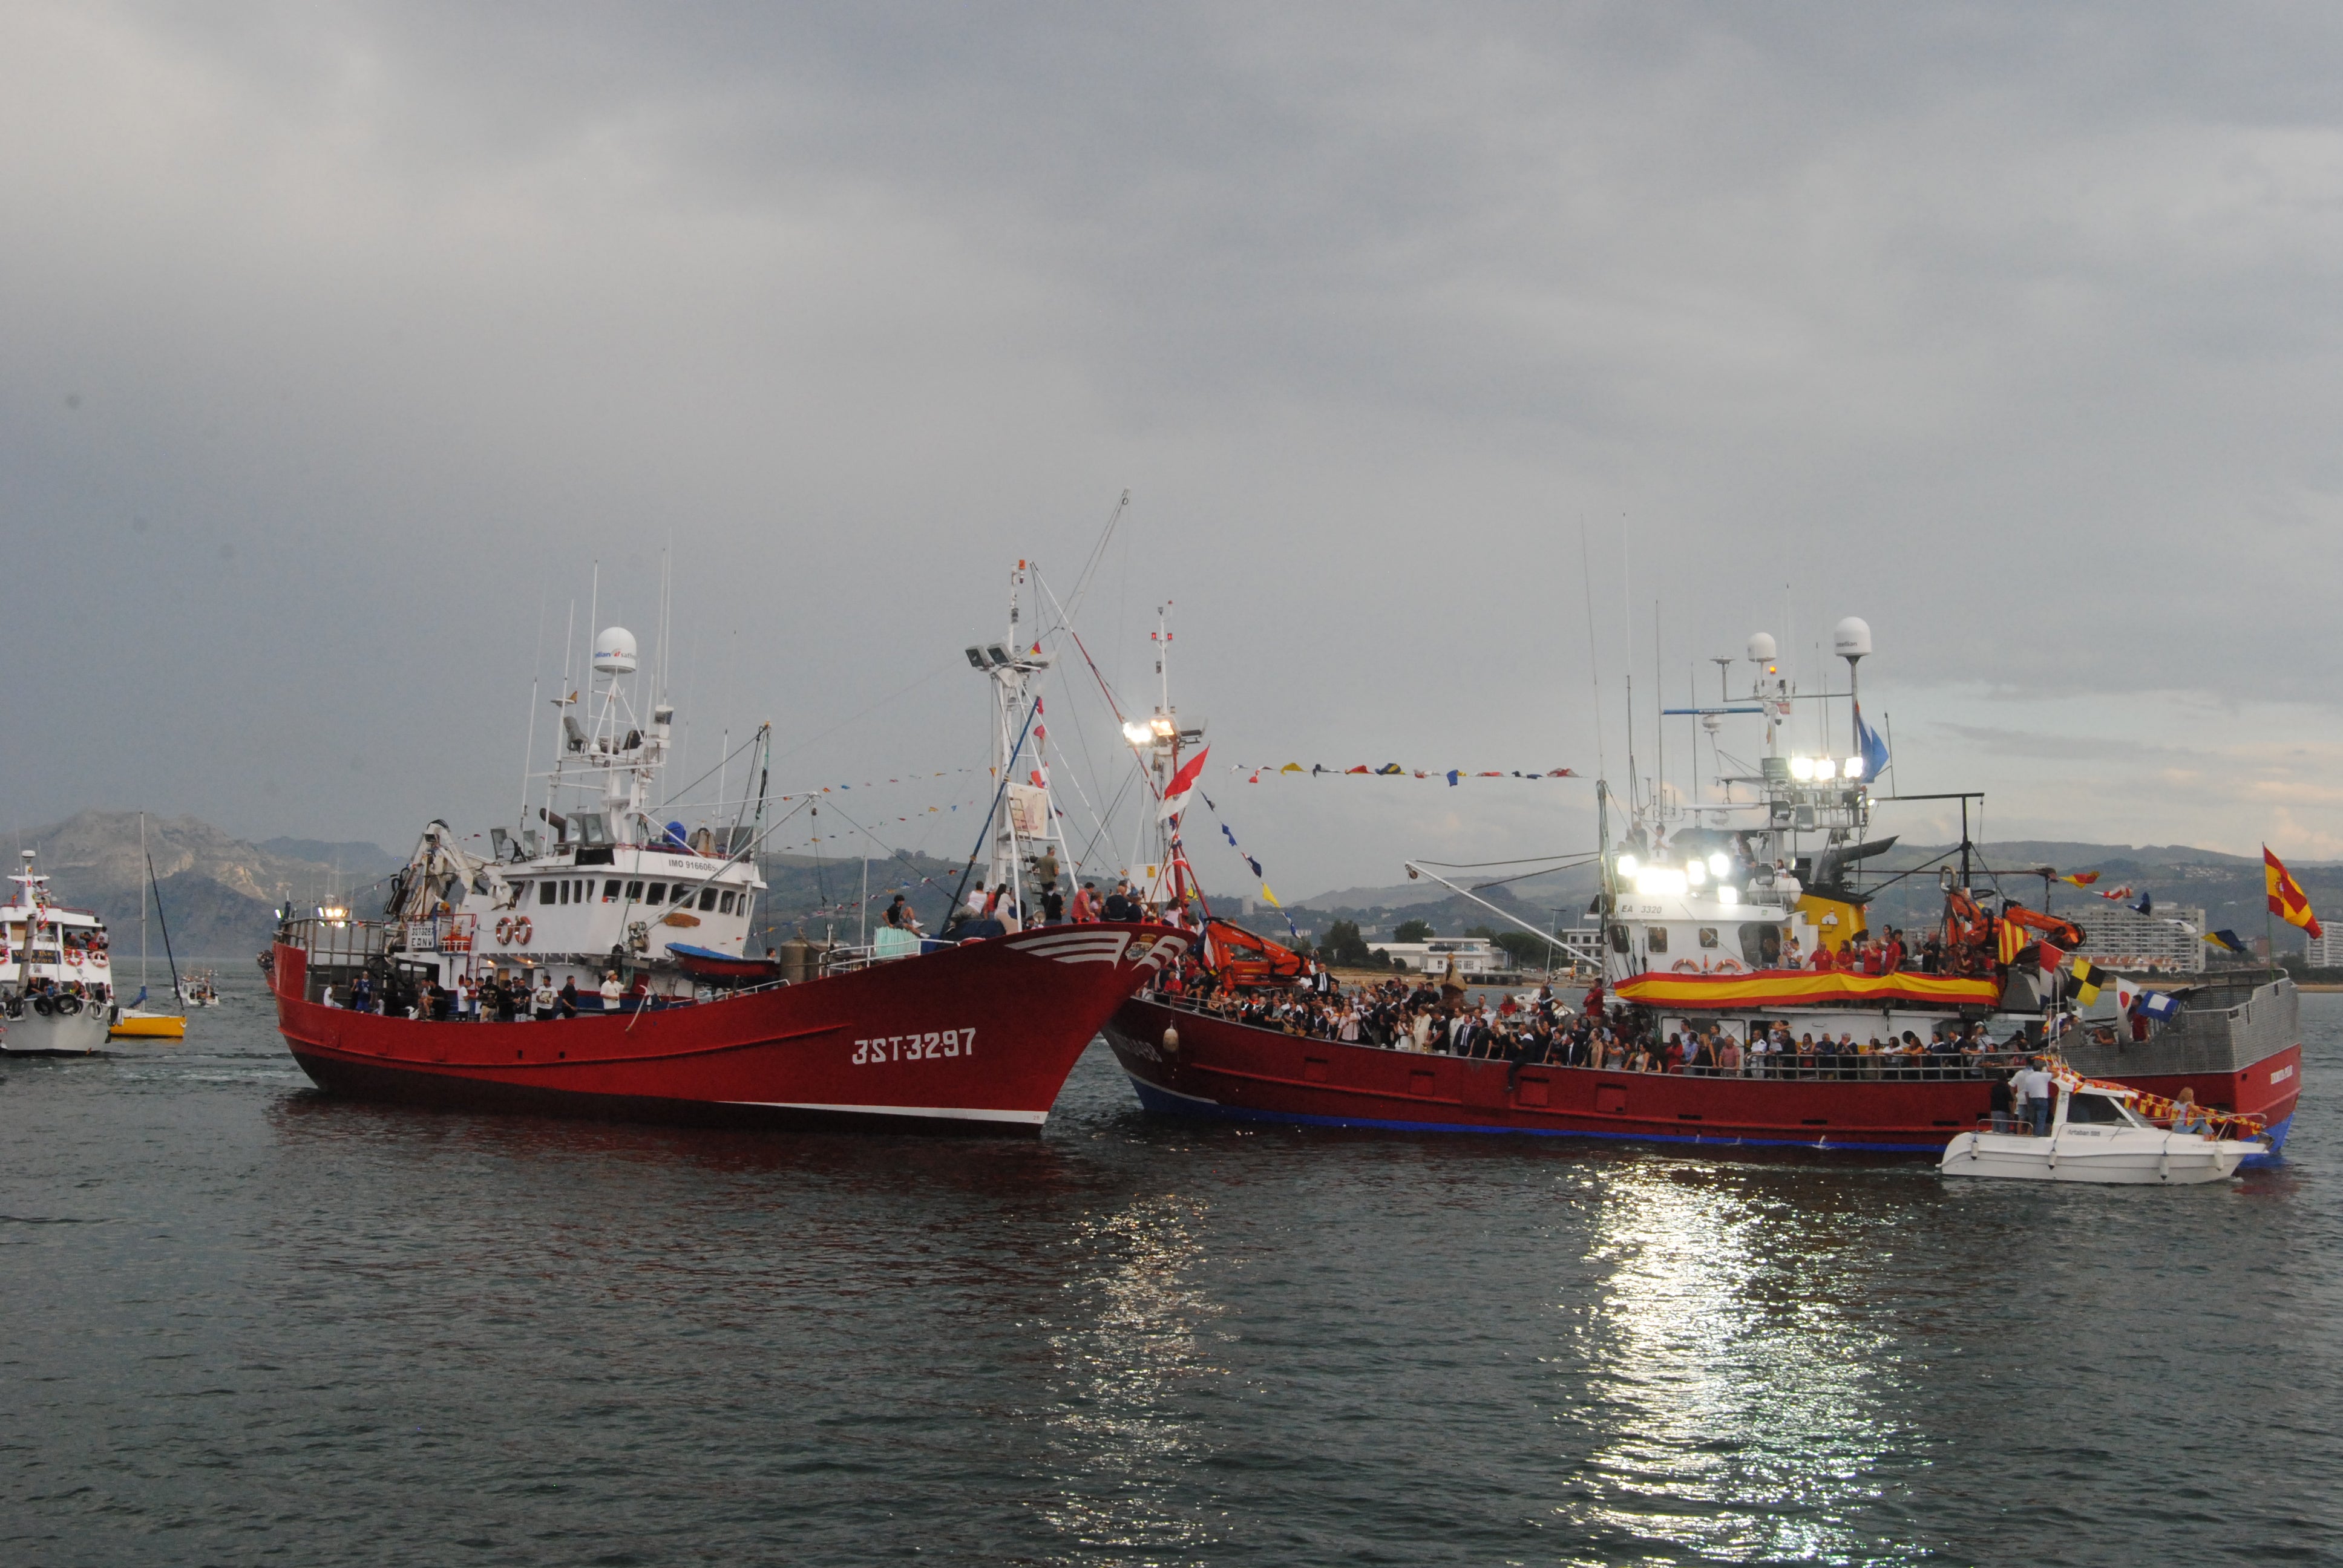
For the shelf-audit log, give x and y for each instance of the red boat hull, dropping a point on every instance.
(977, 1038)
(1226, 1069)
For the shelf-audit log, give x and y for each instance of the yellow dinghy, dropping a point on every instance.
(136, 1024)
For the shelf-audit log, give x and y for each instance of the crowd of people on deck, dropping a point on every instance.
(1418, 1014)
(498, 996)
(998, 910)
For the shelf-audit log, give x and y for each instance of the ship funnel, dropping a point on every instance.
(1761, 647)
(614, 653)
(1852, 639)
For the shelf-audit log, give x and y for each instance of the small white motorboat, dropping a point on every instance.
(2096, 1135)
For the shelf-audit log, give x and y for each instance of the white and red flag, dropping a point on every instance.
(1175, 794)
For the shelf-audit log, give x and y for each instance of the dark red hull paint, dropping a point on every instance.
(997, 1025)
(1232, 1070)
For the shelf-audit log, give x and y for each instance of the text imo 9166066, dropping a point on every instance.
(932, 1046)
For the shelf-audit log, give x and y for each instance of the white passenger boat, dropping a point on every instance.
(56, 979)
(2097, 1133)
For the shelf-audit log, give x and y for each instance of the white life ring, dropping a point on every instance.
(97, 957)
(522, 931)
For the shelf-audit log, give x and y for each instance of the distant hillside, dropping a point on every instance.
(356, 859)
(219, 892)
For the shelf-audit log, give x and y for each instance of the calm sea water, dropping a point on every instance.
(243, 1323)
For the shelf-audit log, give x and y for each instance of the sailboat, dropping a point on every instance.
(138, 1021)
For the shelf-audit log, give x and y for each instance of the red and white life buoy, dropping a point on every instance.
(1686, 967)
(522, 931)
(1728, 966)
(73, 957)
(504, 929)
(97, 957)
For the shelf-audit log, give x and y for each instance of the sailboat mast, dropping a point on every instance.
(141, 913)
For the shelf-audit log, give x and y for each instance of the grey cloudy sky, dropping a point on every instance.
(341, 340)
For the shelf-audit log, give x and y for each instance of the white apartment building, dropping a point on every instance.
(2171, 941)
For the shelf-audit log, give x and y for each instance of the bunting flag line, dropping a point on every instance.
(1256, 771)
(1267, 896)
(2227, 940)
(2286, 899)
(2081, 878)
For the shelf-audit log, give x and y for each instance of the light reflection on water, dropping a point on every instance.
(1745, 1402)
(1138, 1329)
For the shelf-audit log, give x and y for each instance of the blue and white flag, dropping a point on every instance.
(2158, 1005)
(1874, 749)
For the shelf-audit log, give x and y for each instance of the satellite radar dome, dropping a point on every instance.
(614, 651)
(1852, 638)
(1761, 647)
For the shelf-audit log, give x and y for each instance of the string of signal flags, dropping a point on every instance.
(1256, 772)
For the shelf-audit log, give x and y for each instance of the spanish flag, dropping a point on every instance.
(2286, 900)
(2082, 878)
(2012, 941)
(2088, 978)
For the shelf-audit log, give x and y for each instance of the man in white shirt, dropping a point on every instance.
(2034, 1092)
(611, 991)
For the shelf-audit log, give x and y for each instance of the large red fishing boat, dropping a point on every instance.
(612, 950)
(1737, 920)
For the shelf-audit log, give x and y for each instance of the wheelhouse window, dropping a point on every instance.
(547, 893)
(725, 908)
(610, 891)
(1708, 936)
(707, 898)
(1656, 938)
(634, 892)
(1760, 944)
(658, 894)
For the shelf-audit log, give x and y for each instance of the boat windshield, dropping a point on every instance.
(2098, 1109)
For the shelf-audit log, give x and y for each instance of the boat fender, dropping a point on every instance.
(98, 958)
(1171, 1040)
(523, 930)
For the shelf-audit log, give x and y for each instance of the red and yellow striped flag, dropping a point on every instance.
(2287, 899)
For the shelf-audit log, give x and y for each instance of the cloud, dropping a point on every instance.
(346, 339)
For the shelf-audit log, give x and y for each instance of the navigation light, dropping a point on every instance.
(1137, 733)
(1855, 767)
(1802, 768)
(1627, 864)
(1720, 864)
